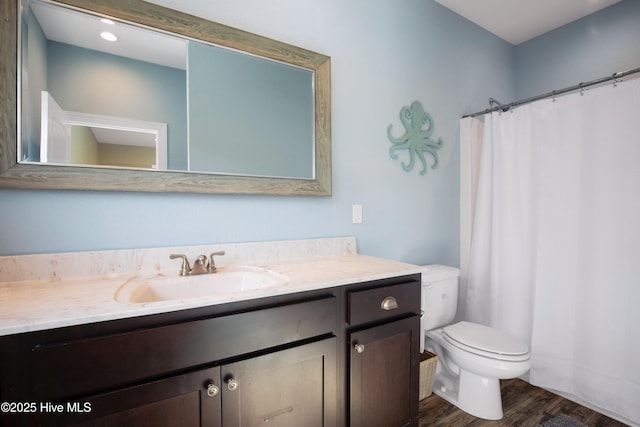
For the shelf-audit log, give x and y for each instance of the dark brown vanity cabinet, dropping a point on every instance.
(279, 361)
(383, 356)
(271, 361)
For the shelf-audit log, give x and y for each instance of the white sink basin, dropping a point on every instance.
(228, 280)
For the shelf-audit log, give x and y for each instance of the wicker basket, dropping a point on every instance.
(428, 362)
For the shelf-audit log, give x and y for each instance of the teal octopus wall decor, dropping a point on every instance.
(415, 139)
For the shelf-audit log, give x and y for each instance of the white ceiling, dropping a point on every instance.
(83, 30)
(117, 136)
(517, 21)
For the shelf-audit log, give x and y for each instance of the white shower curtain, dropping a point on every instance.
(555, 247)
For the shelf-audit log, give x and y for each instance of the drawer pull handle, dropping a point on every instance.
(389, 303)
(359, 348)
(212, 390)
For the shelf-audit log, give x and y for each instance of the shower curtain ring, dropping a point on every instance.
(615, 79)
(581, 88)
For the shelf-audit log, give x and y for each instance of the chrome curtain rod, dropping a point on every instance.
(579, 86)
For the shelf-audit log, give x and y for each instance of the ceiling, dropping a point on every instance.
(83, 30)
(117, 136)
(517, 21)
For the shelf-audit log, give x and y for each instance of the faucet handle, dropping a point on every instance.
(186, 268)
(211, 268)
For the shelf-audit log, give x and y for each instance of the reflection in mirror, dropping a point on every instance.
(226, 112)
(84, 139)
(113, 147)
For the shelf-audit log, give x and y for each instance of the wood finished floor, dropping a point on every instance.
(523, 405)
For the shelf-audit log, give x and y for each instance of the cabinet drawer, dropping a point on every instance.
(382, 303)
(63, 369)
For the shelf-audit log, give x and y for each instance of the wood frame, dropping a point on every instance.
(32, 176)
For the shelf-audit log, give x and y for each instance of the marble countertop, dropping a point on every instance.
(46, 303)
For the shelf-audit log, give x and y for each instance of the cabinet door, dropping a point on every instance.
(289, 388)
(384, 374)
(182, 401)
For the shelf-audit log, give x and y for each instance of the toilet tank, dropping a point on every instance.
(439, 296)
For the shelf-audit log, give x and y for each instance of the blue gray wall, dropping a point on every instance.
(382, 60)
(33, 83)
(592, 47)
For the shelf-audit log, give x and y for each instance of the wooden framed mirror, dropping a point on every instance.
(20, 171)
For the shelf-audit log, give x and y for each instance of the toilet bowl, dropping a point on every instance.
(478, 367)
(472, 358)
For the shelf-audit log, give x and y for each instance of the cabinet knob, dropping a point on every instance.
(232, 384)
(359, 348)
(389, 303)
(212, 390)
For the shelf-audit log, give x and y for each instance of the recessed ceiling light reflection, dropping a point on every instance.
(107, 21)
(108, 36)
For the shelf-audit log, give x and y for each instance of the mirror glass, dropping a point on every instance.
(104, 93)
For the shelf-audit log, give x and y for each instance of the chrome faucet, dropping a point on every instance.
(200, 266)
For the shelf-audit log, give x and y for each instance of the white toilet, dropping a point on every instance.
(472, 358)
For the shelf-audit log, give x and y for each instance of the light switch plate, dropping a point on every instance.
(357, 214)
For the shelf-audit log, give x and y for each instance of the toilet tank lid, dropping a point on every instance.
(438, 272)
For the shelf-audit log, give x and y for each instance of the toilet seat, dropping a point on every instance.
(485, 341)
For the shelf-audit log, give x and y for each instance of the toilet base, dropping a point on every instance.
(480, 396)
